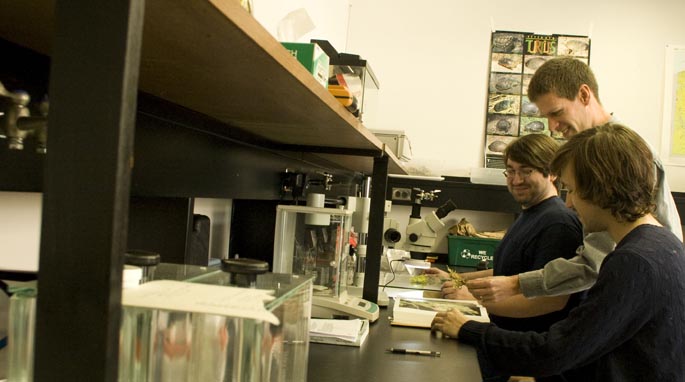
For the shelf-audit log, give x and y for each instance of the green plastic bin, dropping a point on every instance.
(466, 251)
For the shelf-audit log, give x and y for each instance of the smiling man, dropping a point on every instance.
(631, 326)
(566, 92)
(545, 230)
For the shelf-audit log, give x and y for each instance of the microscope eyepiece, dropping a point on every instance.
(445, 209)
(392, 235)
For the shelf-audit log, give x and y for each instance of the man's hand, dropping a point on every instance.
(449, 291)
(449, 323)
(435, 271)
(494, 289)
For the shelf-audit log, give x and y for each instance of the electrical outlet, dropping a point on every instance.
(399, 193)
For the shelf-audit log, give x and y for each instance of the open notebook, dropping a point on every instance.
(419, 311)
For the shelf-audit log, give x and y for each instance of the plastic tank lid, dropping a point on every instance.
(141, 257)
(244, 265)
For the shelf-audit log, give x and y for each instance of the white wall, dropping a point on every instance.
(329, 17)
(20, 223)
(20, 218)
(219, 213)
(432, 62)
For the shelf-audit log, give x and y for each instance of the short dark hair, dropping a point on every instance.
(532, 150)
(614, 169)
(563, 77)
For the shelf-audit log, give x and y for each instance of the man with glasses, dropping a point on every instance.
(546, 229)
(566, 92)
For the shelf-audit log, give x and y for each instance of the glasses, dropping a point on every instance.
(523, 174)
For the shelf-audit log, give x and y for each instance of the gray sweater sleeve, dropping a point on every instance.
(565, 276)
(666, 210)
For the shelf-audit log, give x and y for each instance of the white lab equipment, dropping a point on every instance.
(319, 252)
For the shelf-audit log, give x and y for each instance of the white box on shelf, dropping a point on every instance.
(488, 176)
(397, 141)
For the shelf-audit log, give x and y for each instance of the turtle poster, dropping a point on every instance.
(514, 58)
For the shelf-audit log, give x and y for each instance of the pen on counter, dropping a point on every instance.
(412, 351)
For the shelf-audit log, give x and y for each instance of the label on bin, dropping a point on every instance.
(481, 255)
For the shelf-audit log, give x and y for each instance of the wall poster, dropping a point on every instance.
(514, 57)
(673, 126)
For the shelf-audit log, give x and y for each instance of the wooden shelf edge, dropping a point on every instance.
(213, 57)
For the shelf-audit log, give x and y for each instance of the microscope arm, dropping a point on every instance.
(422, 233)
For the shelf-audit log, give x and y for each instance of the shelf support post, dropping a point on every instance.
(93, 88)
(374, 251)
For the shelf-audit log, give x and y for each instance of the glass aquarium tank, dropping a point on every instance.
(352, 74)
(176, 345)
(312, 242)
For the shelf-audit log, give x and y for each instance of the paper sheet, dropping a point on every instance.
(201, 298)
(345, 329)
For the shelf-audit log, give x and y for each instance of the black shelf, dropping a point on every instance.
(222, 106)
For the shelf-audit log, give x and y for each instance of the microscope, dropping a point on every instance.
(421, 233)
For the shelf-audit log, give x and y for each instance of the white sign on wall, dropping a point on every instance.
(673, 126)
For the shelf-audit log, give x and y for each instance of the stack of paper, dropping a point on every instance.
(338, 332)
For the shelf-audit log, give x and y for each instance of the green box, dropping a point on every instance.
(468, 251)
(312, 57)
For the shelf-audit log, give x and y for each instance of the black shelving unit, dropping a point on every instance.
(202, 68)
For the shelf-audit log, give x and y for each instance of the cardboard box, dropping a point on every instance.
(468, 251)
(312, 57)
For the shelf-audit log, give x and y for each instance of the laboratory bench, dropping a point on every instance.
(371, 362)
